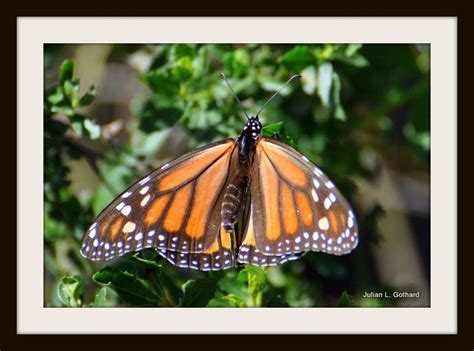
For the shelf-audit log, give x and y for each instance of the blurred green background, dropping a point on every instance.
(113, 113)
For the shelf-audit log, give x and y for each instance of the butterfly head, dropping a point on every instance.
(253, 127)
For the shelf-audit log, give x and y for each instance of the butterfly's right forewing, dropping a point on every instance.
(296, 208)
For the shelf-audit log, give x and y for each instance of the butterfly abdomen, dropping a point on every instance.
(234, 199)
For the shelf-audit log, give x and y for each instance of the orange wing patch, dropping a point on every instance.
(191, 169)
(118, 224)
(177, 211)
(226, 238)
(213, 248)
(305, 210)
(333, 221)
(269, 181)
(288, 211)
(286, 166)
(204, 197)
(156, 210)
(249, 239)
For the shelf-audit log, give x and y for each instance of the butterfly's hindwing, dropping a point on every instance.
(218, 256)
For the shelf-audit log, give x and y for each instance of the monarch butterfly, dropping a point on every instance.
(244, 200)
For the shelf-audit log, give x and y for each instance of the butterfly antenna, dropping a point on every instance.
(235, 95)
(278, 91)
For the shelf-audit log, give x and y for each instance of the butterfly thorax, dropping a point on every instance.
(236, 191)
(248, 139)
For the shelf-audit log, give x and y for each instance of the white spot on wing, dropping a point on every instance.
(327, 203)
(350, 222)
(144, 180)
(126, 210)
(323, 223)
(314, 194)
(129, 227)
(145, 200)
(127, 194)
(92, 233)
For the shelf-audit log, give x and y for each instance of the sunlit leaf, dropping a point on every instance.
(66, 71)
(99, 299)
(71, 291)
(277, 131)
(132, 290)
(297, 58)
(325, 80)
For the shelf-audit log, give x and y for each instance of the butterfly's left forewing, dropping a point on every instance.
(295, 207)
(175, 209)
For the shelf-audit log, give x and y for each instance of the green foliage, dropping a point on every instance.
(344, 109)
(345, 300)
(71, 291)
(277, 131)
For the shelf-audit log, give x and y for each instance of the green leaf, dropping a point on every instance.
(236, 63)
(179, 51)
(71, 291)
(357, 60)
(351, 49)
(132, 290)
(230, 300)
(309, 79)
(198, 293)
(67, 110)
(336, 98)
(55, 97)
(92, 128)
(199, 62)
(77, 124)
(256, 281)
(325, 79)
(88, 97)
(66, 71)
(235, 287)
(161, 83)
(71, 90)
(182, 69)
(256, 278)
(345, 300)
(148, 261)
(277, 131)
(297, 58)
(155, 116)
(371, 302)
(99, 300)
